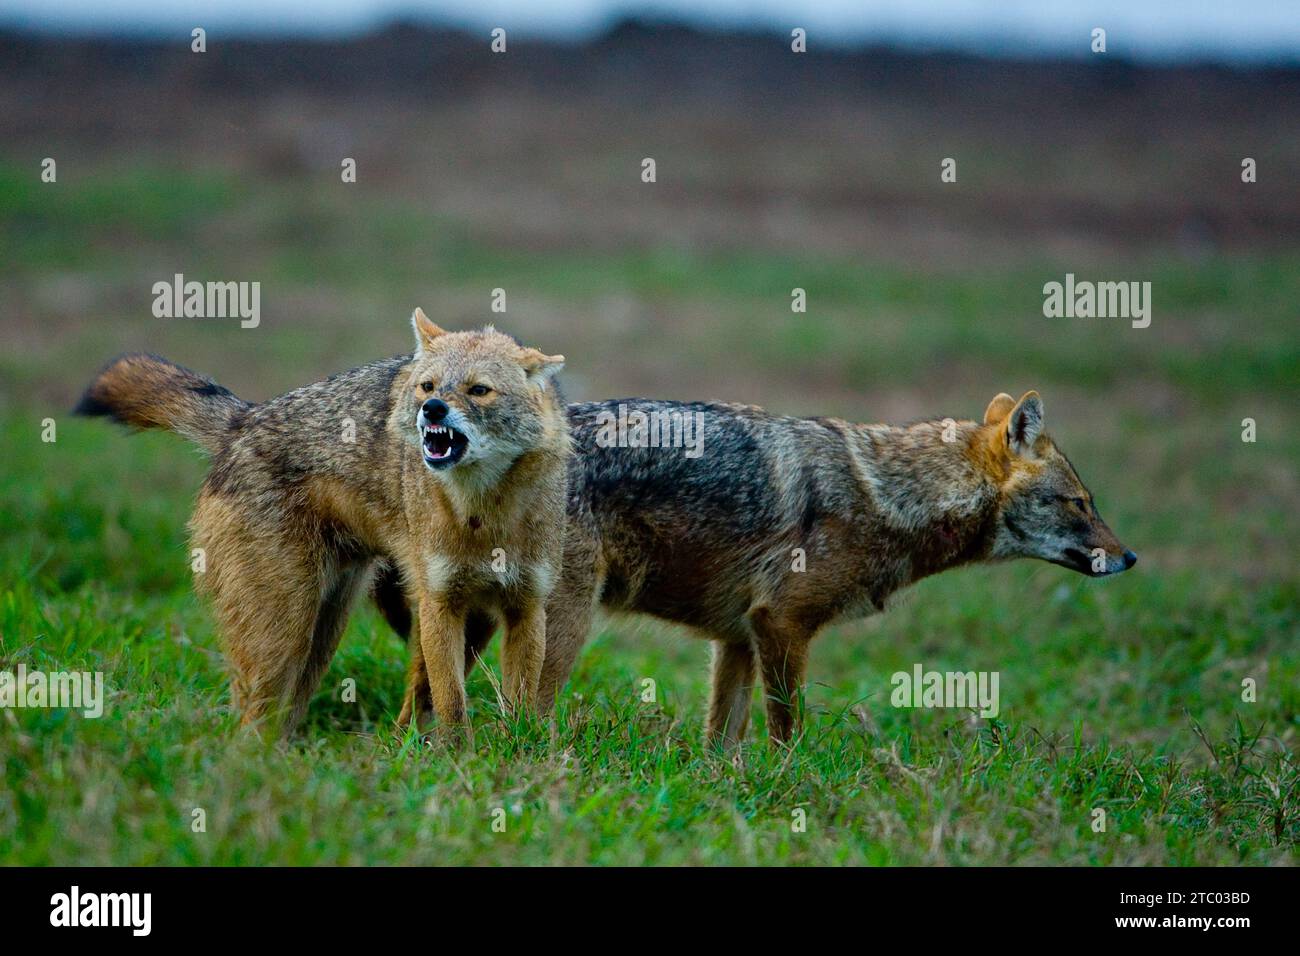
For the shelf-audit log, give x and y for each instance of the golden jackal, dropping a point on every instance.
(772, 528)
(447, 465)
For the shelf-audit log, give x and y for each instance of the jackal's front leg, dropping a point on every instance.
(416, 701)
(522, 652)
(442, 643)
(479, 628)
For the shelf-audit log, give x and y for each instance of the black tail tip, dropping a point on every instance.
(91, 407)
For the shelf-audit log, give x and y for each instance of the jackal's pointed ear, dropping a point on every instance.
(425, 330)
(1025, 424)
(999, 408)
(539, 367)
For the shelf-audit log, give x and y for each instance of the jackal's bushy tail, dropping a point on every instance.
(145, 391)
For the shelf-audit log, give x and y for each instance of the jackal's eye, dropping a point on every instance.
(479, 390)
(1079, 503)
(426, 386)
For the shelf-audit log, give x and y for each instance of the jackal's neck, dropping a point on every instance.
(507, 490)
(930, 490)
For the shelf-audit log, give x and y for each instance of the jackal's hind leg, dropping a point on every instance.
(266, 600)
(569, 611)
(331, 620)
(732, 690)
(523, 647)
(782, 646)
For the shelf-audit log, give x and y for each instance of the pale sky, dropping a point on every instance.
(1219, 29)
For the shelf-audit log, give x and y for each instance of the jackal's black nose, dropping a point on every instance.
(1130, 559)
(434, 411)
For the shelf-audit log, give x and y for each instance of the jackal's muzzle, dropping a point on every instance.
(1098, 563)
(442, 443)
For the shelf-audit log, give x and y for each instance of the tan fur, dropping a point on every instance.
(293, 518)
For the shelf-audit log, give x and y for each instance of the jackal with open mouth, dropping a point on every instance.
(447, 466)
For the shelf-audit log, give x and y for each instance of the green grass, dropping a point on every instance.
(616, 780)
(1106, 687)
(1122, 695)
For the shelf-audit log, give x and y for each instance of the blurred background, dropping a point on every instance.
(775, 171)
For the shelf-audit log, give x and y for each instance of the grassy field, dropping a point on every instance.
(1122, 695)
